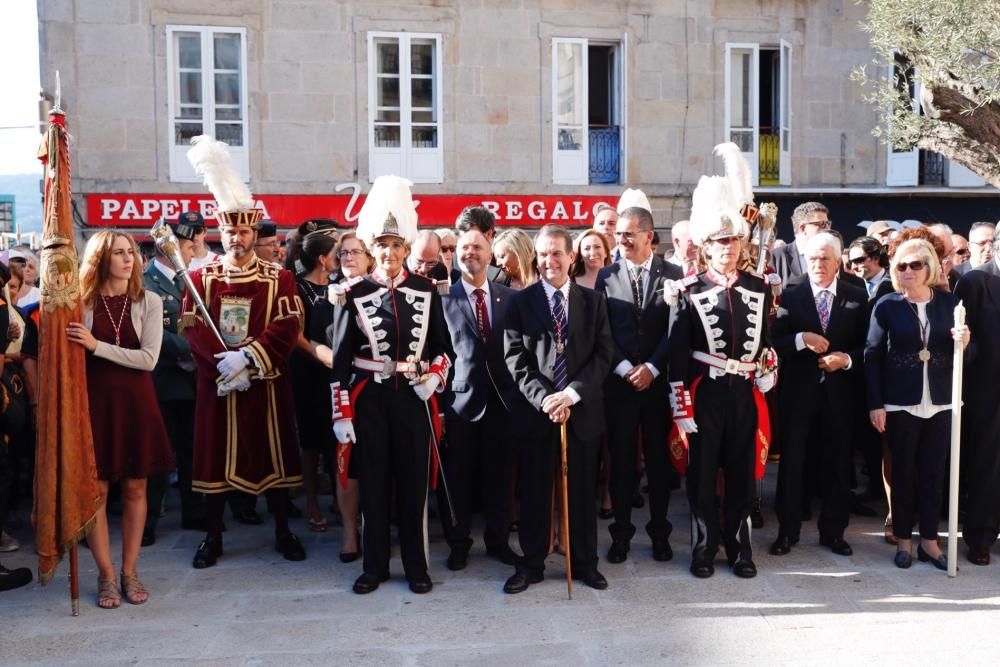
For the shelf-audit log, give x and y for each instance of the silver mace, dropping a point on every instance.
(166, 243)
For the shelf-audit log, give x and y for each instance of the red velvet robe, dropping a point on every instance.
(245, 440)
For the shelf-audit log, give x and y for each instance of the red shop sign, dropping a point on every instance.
(143, 210)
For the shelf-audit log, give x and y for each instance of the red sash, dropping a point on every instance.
(344, 448)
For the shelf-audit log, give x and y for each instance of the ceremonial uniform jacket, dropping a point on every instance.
(173, 375)
(246, 439)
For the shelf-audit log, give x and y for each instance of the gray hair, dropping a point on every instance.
(824, 240)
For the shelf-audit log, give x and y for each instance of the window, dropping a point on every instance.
(758, 112)
(587, 127)
(206, 93)
(404, 106)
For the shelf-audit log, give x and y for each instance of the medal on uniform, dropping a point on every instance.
(924, 355)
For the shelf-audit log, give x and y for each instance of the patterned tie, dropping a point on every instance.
(637, 287)
(560, 375)
(823, 308)
(482, 315)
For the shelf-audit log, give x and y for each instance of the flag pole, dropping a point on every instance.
(956, 444)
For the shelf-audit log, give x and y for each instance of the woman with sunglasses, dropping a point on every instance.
(908, 363)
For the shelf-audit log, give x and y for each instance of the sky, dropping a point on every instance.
(19, 87)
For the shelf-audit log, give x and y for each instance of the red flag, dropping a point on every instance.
(66, 489)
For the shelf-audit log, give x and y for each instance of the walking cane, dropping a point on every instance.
(564, 473)
(956, 444)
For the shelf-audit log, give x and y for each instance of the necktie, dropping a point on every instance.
(871, 287)
(823, 308)
(482, 314)
(637, 287)
(560, 376)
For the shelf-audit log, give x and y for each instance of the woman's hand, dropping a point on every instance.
(79, 334)
(877, 418)
(961, 335)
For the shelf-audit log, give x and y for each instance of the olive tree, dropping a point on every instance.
(948, 49)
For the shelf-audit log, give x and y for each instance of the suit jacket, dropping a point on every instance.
(893, 371)
(848, 326)
(493, 273)
(787, 262)
(640, 335)
(979, 290)
(479, 369)
(172, 382)
(530, 352)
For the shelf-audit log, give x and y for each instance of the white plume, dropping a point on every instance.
(389, 195)
(633, 197)
(211, 160)
(737, 172)
(711, 202)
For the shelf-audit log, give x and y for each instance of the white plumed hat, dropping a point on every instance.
(718, 201)
(388, 211)
(633, 197)
(211, 160)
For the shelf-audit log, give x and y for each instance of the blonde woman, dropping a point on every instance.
(515, 254)
(449, 243)
(122, 331)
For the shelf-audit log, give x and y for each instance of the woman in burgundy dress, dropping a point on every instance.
(122, 331)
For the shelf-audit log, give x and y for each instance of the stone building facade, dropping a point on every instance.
(501, 99)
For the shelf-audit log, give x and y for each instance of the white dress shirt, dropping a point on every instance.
(549, 293)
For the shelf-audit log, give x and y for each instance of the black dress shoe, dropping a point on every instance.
(366, 583)
(745, 569)
(148, 537)
(903, 559)
(248, 517)
(618, 551)
(979, 555)
(605, 513)
(421, 584)
(594, 579)
(838, 545)
(349, 556)
(662, 551)
(781, 546)
(703, 569)
(518, 583)
(289, 546)
(457, 559)
(941, 562)
(11, 579)
(504, 554)
(208, 552)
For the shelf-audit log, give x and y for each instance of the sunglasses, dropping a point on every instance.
(858, 260)
(448, 248)
(962, 252)
(915, 265)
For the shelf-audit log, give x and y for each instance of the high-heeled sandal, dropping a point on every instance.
(133, 589)
(107, 591)
(890, 537)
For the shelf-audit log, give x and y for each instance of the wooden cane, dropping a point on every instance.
(74, 581)
(564, 538)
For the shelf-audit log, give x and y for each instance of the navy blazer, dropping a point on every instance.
(479, 367)
(894, 374)
(787, 262)
(530, 352)
(640, 335)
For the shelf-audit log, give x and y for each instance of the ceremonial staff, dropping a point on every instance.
(564, 474)
(956, 443)
(66, 490)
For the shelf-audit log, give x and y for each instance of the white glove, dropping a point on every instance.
(766, 382)
(241, 382)
(343, 430)
(425, 389)
(230, 364)
(686, 425)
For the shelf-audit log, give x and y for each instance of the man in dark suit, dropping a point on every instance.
(636, 389)
(174, 380)
(808, 219)
(558, 348)
(979, 290)
(819, 334)
(482, 406)
(479, 217)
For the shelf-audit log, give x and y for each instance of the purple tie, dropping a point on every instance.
(823, 308)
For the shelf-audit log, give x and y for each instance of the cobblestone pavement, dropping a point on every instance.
(253, 608)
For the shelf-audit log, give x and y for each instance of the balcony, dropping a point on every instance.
(605, 154)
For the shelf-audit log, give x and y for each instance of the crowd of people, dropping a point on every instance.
(409, 364)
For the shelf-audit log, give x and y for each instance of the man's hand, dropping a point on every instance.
(424, 389)
(834, 361)
(343, 430)
(231, 363)
(640, 377)
(815, 343)
(557, 406)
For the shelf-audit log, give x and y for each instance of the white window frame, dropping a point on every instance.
(420, 165)
(180, 169)
(902, 168)
(785, 112)
(753, 156)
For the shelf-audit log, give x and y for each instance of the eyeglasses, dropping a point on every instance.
(984, 242)
(822, 224)
(448, 248)
(916, 265)
(425, 264)
(858, 260)
(628, 236)
(962, 252)
(272, 244)
(356, 252)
